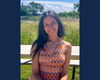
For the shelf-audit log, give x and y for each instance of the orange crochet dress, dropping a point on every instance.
(51, 67)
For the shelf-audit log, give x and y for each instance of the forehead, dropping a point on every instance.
(49, 19)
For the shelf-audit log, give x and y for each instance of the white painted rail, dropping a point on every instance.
(25, 51)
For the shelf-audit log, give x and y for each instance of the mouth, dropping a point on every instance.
(51, 31)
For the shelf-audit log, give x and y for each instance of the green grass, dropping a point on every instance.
(26, 71)
(72, 32)
(32, 18)
(29, 32)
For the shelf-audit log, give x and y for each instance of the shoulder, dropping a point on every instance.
(68, 45)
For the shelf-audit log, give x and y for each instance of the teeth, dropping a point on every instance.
(51, 31)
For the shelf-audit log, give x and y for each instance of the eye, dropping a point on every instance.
(53, 23)
(45, 25)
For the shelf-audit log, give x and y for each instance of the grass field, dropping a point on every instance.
(29, 32)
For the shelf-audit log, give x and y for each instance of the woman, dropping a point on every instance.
(50, 54)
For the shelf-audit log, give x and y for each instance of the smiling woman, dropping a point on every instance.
(50, 54)
(50, 26)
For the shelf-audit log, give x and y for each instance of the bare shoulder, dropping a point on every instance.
(68, 45)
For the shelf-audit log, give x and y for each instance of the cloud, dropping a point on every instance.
(55, 6)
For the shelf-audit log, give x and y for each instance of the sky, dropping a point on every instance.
(54, 0)
(55, 5)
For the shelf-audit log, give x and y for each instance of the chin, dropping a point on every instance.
(52, 34)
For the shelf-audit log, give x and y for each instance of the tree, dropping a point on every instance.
(77, 7)
(24, 10)
(63, 14)
(73, 14)
(35, 8)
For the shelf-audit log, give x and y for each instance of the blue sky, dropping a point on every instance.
(54, 0)
(55, 5)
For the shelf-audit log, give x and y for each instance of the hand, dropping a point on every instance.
(30, 78)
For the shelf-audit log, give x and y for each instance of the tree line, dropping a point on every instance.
(74, 13)
(35, 9)
(32, 8)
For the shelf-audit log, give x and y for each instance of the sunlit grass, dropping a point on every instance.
(28, 32)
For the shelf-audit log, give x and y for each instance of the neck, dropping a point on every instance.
(53, 38)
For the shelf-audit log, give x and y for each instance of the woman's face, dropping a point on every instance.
(50, 26)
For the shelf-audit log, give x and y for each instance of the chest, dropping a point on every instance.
(57, 58)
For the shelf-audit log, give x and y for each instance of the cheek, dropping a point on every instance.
(46, 30)
(56, 28)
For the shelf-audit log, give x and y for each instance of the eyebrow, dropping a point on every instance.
(51, 22)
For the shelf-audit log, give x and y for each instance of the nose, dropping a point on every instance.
(50, 26)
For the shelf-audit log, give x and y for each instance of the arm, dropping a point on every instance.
(35, 67)
(64, 75)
